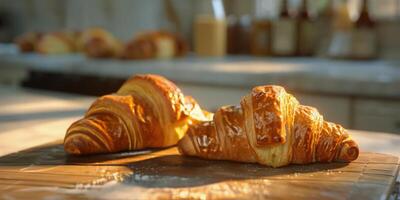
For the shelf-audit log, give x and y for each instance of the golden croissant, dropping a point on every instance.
(147, 111)
(271, 128)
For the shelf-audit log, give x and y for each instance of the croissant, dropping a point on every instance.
(147, 111)
(98, 43)
(159, 45)
(56, 43)
(269, 127)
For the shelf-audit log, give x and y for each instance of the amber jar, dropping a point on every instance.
(209, 36)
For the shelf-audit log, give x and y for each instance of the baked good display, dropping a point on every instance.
(99, 43)
(272, 128)
(147, 111)
(155, 45)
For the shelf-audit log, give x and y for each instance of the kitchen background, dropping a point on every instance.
(339, 56)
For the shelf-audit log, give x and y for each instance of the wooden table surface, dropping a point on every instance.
(30, 118)
(47, 172)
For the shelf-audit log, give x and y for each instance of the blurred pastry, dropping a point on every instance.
(76, 35)
(27, 41)
(98, 43)
(56, 43)
(158, 44)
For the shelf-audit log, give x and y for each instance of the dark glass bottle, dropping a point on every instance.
(364, 20)
(284, 12)
(260, 34)
(340, 45)
(306, 33)
(260, 37)
(233, 35)
(238, 34)
(324, 31)
(284, 33)
(364, 35)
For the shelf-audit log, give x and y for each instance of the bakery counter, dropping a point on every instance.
(356, 78)
(354, 93)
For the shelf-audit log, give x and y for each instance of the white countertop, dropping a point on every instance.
(31, 117)
(353, 78)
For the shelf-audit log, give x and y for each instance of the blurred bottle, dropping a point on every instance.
(306, 33)
(233, 32)
(238, 34)
(245, 25)
(364, 38)
(260, 37)
(5, 27)
(210, 31)
(284, 33)
(324, 31)
(340, 45)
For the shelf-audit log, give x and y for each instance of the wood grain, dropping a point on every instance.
(47, 172)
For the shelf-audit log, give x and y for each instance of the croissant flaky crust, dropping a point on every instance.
(270, 127)
(147, 111)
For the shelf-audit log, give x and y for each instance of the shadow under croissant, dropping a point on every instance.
(168, 169)
(176, 171)
(54, 154)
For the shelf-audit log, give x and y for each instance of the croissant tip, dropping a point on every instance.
(349, 151)
(81, 145)
(72, 149)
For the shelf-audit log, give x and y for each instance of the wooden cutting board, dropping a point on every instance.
(47, 172)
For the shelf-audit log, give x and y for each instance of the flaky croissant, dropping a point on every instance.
(98, 43)
(271, 128)
(152, 45)
(147, 111)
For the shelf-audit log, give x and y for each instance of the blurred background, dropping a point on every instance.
(124, 18)
(341, 56)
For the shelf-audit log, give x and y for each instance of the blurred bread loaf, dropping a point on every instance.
(155, 45)
(98, 43)
(27, 41)
(56, 43)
